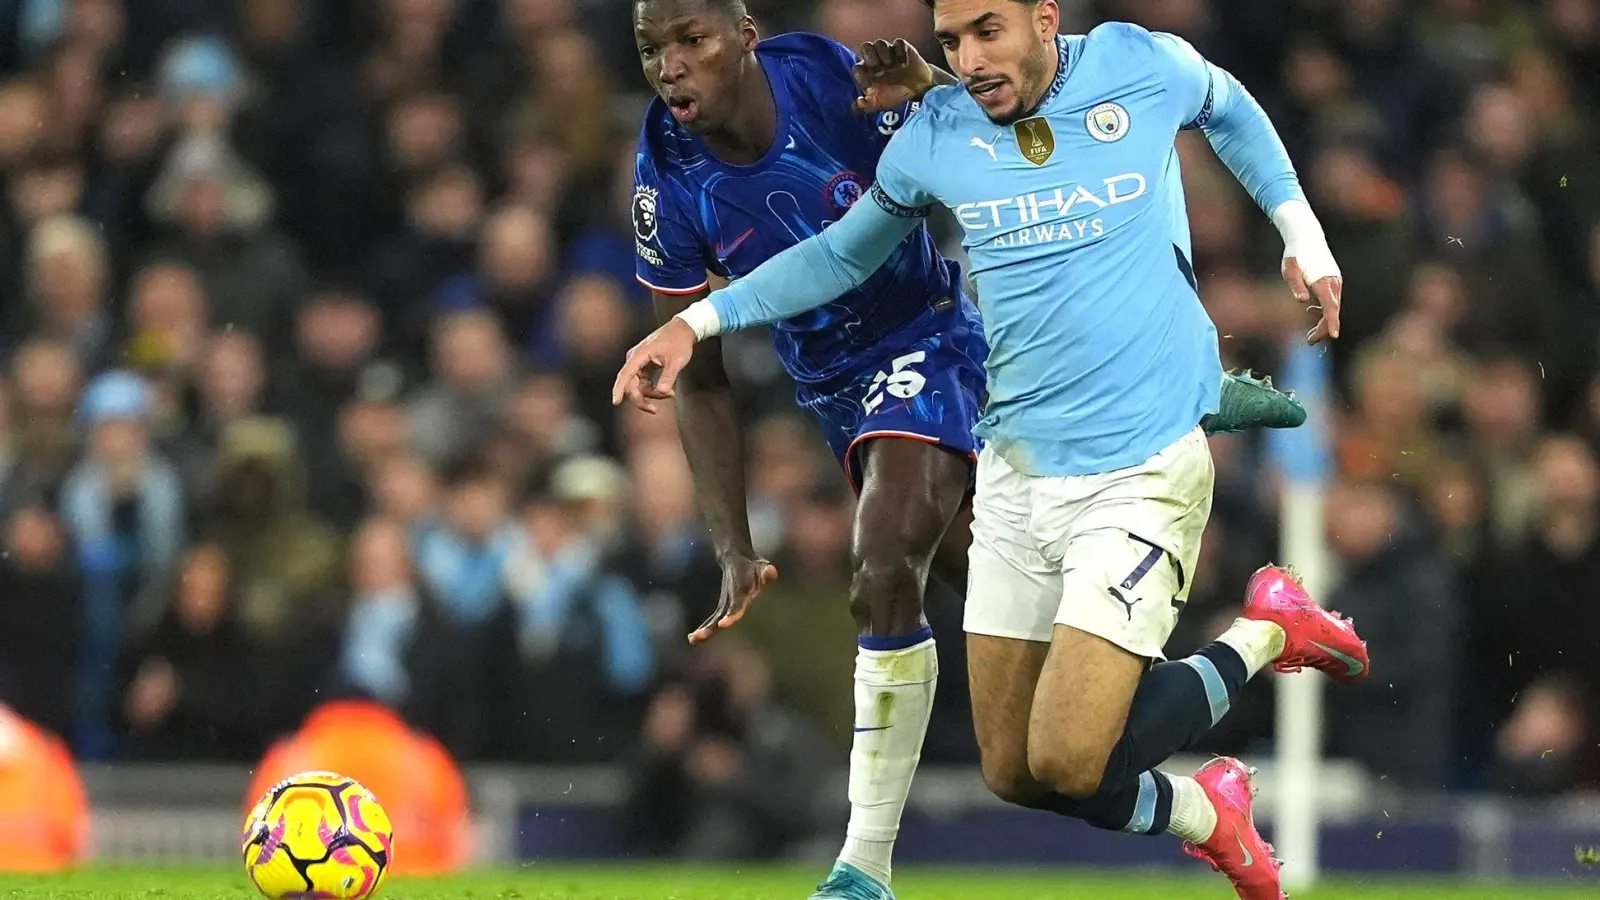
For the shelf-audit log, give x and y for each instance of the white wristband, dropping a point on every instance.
(702, 319)
(1303, 239)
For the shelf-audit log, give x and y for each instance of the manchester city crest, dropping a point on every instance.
(1107, 122)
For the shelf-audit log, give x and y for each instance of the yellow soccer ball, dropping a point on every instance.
(318, 836)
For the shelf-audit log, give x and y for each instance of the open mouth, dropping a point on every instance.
(684, 109)
(986, 89)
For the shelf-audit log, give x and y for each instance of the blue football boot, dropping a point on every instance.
(846, 882)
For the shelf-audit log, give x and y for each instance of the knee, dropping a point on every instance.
(1011, 783)
(885, 584)
(1076, 774)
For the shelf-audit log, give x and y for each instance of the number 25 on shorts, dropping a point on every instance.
(900, 381)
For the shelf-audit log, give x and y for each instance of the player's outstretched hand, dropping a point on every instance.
(889, 74)
(1324, 293)
(743, 579)
(651, 369)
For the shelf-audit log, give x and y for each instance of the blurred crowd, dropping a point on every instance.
(313, 308)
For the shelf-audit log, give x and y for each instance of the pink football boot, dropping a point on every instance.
(1313, 637)
(1235, 847)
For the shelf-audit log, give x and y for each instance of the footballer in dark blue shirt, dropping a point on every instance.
(750, 147)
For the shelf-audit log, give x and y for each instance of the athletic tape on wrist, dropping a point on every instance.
(702, 319)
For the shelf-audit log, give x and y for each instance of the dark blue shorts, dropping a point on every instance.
(931, 391)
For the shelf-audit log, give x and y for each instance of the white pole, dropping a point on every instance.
(1304, 460)
(1299, 701)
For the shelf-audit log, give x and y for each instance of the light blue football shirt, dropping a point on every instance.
(1074, 220)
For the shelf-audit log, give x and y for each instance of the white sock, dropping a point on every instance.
(1193, 816)
(1257, 643)
(894, 698)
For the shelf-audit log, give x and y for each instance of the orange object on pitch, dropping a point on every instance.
(44, 812)
(410, 773)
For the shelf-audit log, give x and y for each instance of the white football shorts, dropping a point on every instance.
(1110, 554)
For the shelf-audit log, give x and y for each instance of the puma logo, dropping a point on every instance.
(1126, 603)
(989, 148)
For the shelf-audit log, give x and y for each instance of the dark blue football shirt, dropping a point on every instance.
(693, 213)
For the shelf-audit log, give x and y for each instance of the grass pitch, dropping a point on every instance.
(627, 882)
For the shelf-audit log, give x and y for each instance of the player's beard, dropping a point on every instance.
(1030, 87)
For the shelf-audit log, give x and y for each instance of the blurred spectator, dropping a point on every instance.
(1394, 585)
(443, 207)
(595, 328)
(664, 548)
(201, 84)
(545, 426)
(462, 553)
(584, 650)
(1501, 408)
(301, 126)
(335, 359)
(284, 561)
(168, 317)
(803, 625)
(723, 770)
(1557, 564)
(411, 53)
(404, 488)
(230, 385)
(1388, 435)
(216, 212)
(22, 112)
(69, 271)
(38, 408)
(124, 507)
(386, 604)
(1543, 749)
(128, 149)
(41, 625)
(472, 372)
(515, 265)
(190, 670)
(43, 186)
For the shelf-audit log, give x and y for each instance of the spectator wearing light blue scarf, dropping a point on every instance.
(375, 659)
(123, 505)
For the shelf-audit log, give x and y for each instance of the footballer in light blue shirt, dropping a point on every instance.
(1057, 157)
(1074, 220)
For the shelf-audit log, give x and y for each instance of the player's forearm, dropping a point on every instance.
(708, 427)
(1247, 142)
(810, 274)
(714, 445)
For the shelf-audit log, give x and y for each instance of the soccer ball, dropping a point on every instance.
(318, 836)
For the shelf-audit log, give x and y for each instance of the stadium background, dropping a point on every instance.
(311, 309)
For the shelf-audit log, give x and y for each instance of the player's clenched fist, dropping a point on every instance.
(651, 369)
(889, 74)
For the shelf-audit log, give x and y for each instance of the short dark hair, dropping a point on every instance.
(929, 3)
(733, 9)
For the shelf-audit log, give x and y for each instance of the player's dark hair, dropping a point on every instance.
(929, 3)
(733, 9)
